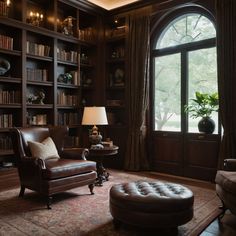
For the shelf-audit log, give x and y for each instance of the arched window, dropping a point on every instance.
(184, 62)
(188, 28)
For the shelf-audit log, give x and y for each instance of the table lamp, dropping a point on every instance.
(94, 116)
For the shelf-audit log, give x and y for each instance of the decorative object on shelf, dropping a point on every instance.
(36, 99)
(67, 26)
(65, 78)
(35, 18)
(203, 106)
(4, 7)
(84, 58)
(83, 102)
(94, 116)
(38, 119)
(4, 66)
(117, 78)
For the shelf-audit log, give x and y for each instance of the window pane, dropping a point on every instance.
(167, 93)
(187, 28)
(202, 78)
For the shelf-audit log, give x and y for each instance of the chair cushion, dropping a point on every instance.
(44, 150)
(227, 180)
(59, 168)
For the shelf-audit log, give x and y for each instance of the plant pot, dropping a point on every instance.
(206, 125)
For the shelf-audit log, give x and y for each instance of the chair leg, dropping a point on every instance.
(22, 191)
(49, 202)
(91, 186)
(223, 208)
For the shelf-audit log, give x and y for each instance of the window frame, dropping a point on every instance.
(183, 49)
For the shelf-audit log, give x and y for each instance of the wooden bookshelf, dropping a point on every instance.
(44, 41)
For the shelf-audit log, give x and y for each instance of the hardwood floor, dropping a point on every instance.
(225, 227)
(8, 178)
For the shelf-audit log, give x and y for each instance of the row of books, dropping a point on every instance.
(118, 52)
(75, 78)
(72, 141)
(37, 49)
(70, 56)
(70, 118)
(38, 119)
(4, 8)
(10, 97)
(6, 42)
(5, 143)
(6, 120)
(66, 99)
(37, 74)
(87, 34)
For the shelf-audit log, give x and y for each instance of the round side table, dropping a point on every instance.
(98, 155)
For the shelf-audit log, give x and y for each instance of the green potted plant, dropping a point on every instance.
(202, 106)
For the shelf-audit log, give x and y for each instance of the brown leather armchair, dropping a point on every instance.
(226, 185)
(51, 176)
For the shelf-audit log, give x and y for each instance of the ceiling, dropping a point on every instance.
(111, 4)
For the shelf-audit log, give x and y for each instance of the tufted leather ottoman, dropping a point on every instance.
(153, 204)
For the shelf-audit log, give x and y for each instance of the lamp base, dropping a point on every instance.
(95, 137)
(97, 146)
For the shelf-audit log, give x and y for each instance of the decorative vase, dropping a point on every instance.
(95, 138)
(206, 125)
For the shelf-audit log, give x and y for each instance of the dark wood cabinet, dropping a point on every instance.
(193, 155)
(201, 156)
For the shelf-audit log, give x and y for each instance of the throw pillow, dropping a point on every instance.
(44, 150)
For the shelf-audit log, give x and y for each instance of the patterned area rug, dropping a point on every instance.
(78, 213)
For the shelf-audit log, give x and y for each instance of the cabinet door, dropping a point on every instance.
(201, 156)
(189, 155)
(167, 152)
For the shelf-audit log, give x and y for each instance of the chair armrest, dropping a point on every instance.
(33, 162)
(230, 164)
(74, 153)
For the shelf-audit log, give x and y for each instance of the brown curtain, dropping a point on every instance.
(226, 52)
(138, 85)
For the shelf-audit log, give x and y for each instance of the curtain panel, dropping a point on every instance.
(138, 50)
(226, 53)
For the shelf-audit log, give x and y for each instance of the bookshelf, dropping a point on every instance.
(116, 100)
(51, 47)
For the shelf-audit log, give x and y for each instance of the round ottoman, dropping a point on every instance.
(151, 204)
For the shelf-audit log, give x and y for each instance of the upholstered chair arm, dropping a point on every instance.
(230, 164)
(74, 153)
(33, 162)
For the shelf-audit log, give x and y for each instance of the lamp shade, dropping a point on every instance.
(94, 116)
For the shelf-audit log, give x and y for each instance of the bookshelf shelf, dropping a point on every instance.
(10, 79)
(10, 52)
(40, 83)
(10, 105)
(40, 106)
(42, 58)
(67, 63)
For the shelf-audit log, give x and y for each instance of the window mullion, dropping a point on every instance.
(184, 89)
